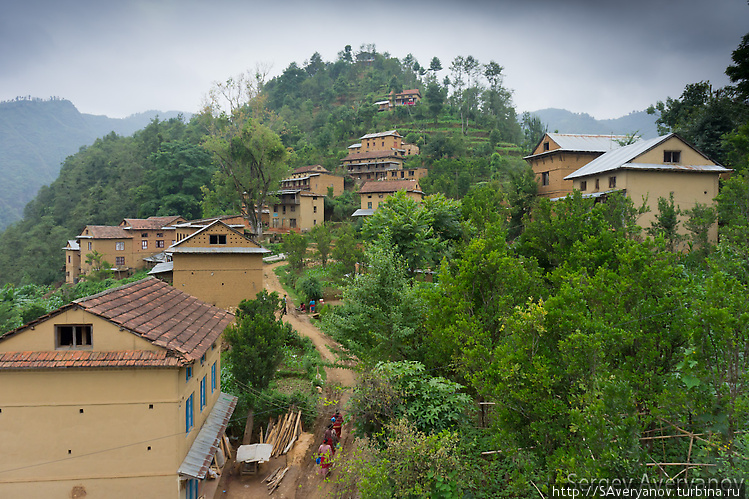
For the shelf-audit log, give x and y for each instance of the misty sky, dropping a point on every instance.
(604, 58)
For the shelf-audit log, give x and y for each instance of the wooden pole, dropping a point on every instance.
(247, 438)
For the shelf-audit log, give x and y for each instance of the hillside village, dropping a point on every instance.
(484, 308)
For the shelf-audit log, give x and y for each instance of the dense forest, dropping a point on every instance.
(598, 350)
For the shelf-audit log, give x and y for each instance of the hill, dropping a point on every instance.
(37, 135)
(565, 121)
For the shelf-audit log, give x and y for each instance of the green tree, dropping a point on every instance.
(666, 223)
(256, 341)
(381, 312)
(346, 250)
(322, 237)
(251, 161)
(295, 247)
(100, 268)
(738, 72)
(435, 97)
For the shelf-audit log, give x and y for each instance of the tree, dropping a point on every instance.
(435, 65)
(295, 247)
(256, 341)
(435, 97)
(251, 160)
(346, 250)
(322, 237)
(100, 268)
(738, 72)
(666, 223)
(701, 219)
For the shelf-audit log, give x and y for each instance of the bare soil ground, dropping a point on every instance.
(302, 481)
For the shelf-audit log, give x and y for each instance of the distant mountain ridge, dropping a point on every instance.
(36, 135)
(563, 121)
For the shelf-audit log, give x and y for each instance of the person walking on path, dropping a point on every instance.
(283, 312)
(324, 458)
(338, 424)
(330, 437)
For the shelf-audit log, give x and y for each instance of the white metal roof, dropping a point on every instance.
(380, 134)
(588, 143)
(620, 158)
(160, 268)
(362, 212)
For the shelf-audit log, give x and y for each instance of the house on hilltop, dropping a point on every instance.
(560, 154)
(377, 155)
(314, 179)
(374, 193)
(116, 395)
(650, 169)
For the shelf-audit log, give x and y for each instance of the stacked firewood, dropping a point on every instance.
(283, 433)
(274, 479)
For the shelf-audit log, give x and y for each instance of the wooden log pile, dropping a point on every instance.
(274, 479)
(283, 433)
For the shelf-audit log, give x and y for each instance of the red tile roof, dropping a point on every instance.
(88, 358)
(390, 186)
(152, 223)
(311, 168)
(162, 315)
(105, 232)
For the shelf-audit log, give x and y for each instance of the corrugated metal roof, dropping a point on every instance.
(201, 452)
(162, 267)
(72, 245)
(591, 143)
(380, 134)
(362, 212)
(620, 159)
(223, 250)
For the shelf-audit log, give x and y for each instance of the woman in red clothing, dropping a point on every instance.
(324, 458)
(338, 424)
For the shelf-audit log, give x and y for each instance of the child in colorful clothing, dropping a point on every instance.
(338, 423)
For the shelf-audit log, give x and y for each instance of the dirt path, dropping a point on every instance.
(302, 480)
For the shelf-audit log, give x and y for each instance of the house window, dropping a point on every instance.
(671, 156)
(598, 184)
(159, 234)
(217, 239)
(545, 178)
(202, 360)
(369, 205)
(89, 245)
(144, 234)
(314, 209)
(188, 373)
(202, 393)
(144, 244)
(411, 173)
(120, 246)
(583, 185)
(69, 259)
(612, 182)
(546, 146)
(159, 243)
(403, 174)
(189, 421)
(293, 209)
(213, 377)
(292, 223)
(314, 222)
(119, 261)
(284, 210)
(73, 337)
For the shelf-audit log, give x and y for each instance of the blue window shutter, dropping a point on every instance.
(202, 393)
(213, 377)
(188, 414)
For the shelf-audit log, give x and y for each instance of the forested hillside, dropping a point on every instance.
(35, 137)
(555, 342)
(317, 108)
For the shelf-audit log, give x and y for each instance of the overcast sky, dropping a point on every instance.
(605, 58)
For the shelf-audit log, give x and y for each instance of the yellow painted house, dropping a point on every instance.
(649, 169)
(377, 155)
(117, 395)
(126, 247)
(560, 154)
(314, 179)
(374, 193)
(217, 264)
